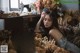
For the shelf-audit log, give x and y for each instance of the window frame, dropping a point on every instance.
(14, 9)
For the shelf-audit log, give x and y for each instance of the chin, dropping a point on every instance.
(46, 26)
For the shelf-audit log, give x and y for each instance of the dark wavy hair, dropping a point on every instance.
(46, 10)
(53, 17)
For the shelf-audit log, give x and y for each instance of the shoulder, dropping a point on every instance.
(54, 31)
(51, 31)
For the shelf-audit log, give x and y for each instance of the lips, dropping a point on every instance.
(46, 25)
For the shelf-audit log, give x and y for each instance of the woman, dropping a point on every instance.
(44, 12)
(49, 28)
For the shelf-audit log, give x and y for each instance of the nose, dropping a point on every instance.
(46, 22)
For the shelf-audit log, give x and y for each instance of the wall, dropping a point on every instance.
(70, 4)
(5, 5)
(27, 2)
(0, 4)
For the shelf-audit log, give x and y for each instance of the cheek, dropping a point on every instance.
(50, 23)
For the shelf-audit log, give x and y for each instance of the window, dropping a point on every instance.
(14, 5)
(27, 1)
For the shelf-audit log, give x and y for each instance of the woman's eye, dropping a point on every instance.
(49, 20)
(45, 19)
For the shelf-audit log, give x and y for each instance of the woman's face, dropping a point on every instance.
(47, 21)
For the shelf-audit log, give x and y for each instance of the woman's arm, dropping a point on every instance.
(39, 22)
(62, 42)
(38, 25)
(56, 34)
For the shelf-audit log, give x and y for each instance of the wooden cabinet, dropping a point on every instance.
(22, 28)
(21, 23)
(30, 21)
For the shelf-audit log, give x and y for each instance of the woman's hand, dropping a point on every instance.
(42, 16)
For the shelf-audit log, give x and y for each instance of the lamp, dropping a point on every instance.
(26, 6)
(21, 7)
